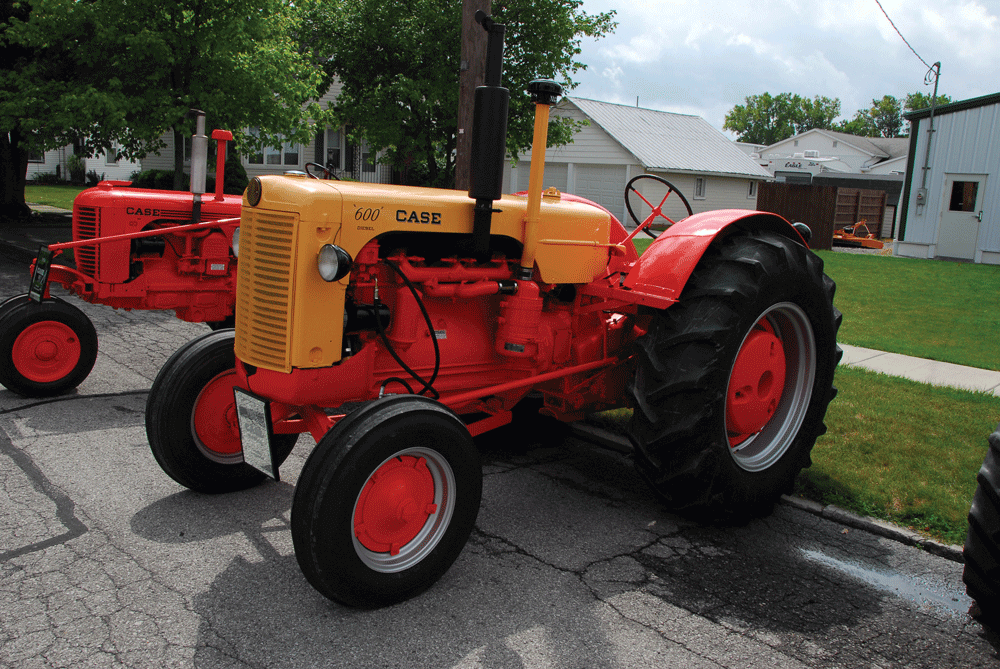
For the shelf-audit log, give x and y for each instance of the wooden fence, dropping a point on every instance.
(822, 208)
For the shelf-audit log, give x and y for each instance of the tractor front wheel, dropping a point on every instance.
(46, 348)
(982, 543)
(732, 383)
(191, 422)
(386, 501)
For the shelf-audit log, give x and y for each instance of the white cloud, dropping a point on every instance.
(705, 56)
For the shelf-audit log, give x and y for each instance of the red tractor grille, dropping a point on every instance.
(264, 289)
(86, 225)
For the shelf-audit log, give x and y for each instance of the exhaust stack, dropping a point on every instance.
(489, 138)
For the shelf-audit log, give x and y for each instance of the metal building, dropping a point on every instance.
(952, 190)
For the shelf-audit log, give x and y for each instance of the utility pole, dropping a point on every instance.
(472, 76)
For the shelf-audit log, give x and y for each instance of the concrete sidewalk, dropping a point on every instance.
(920, 369)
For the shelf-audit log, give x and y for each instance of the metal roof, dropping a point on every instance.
(664, 141)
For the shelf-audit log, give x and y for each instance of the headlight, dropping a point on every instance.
(333, 262)
(236, 242)
(254, 190)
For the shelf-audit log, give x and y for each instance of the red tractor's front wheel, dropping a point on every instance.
(46, 348)
(191, 422)
(732, 382)
(386, 501)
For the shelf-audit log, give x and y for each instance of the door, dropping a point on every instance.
(603, 184)
(962, 211)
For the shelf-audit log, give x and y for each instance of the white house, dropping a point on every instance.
(815, 151)
(329, 147)
(109, 165)
(621, 142)
(951, 191)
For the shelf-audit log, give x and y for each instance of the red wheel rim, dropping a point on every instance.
(214, 420)
(756, 384)
(394, 505)
(45, 352)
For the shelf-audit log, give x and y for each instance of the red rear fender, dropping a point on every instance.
(668, 262)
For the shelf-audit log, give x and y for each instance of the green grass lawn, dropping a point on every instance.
(54, 196)
(902, 451)
(933, 309)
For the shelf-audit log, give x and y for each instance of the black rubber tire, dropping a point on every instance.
(982, 543)
(683, 368)
(170, 408)
(329, 489)
(19, 313)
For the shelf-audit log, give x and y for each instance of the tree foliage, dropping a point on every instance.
(399, 68)
(885, 116)
(766, 119)
(918, 100)
(104, 73)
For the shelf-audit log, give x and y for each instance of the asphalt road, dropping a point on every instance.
(106, 562)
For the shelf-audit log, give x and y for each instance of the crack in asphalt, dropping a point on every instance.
(70, 398)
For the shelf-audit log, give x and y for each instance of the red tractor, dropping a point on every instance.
(134, 249)
(394, 324)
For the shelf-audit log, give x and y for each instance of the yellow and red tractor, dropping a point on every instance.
(134, 249)
(394, 324)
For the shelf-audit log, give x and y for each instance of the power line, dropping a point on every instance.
(901, 35)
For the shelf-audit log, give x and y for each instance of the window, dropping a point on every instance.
(111, 156)
(963, 196)
(287, 154)
(835, 144)
(796, 143)
(334, 149)
(752, 190)
(36, 156)
(699, 188)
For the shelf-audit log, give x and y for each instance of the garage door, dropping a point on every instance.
(555, 175)
(603, 184)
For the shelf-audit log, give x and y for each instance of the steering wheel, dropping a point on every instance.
(656, 210)
(328, 173)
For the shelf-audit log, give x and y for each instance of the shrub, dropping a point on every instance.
(236, 176)
(93, 179)
(155, 179)
(77, 168)
(46, 179)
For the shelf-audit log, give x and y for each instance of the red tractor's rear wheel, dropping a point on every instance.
(46, 348)
(386, 501)
(191, 420)
(732, 382)
(982, 543)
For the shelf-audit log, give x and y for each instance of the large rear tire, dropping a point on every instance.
(46, 348)
(982, 543)
(386, 501)
(191, 419)
(732, 383)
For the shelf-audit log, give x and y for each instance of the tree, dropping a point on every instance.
(862, 125)
(400, 73)
(766, 119)
(918, 100)
(105, 73)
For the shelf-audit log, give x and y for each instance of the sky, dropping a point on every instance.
(703, 57)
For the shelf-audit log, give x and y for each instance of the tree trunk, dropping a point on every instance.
(178, 160)
(13, 170)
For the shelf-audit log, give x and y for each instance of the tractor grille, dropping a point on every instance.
(86, 226)
(264, 289)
